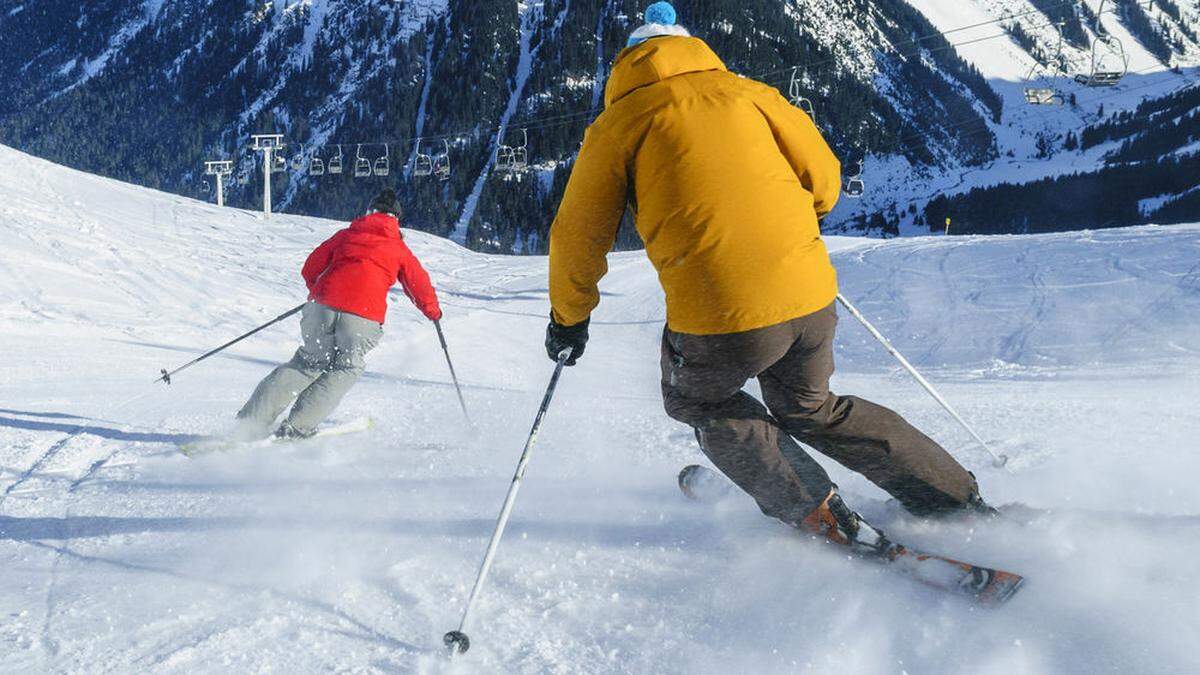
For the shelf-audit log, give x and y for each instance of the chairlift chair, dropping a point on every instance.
(1043, 96)
(362, 165)
(807, 106)
(441, 163)
(383, 165)
(1105, 74)
(520, 158)
(505, 158)
(513, 158)
(1053, 69)
(422, 163)
(795, 95)
(1100, 75)
(335, 162)
(855, 187)
(1103, 78)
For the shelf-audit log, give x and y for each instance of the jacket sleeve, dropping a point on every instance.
(416, 284)
(585, 228)
(801, 143)
(318, 260)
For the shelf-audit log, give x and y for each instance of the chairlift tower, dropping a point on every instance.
(220, 169)
(267, 144)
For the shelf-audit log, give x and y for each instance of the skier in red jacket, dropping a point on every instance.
(348, 279)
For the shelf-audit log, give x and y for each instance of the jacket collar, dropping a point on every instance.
(383, 224)
(650, 30)
(656, 60)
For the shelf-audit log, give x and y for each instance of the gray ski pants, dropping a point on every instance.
(753, 444)
(323, 369)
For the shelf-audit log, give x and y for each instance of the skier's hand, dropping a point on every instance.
(560, 337)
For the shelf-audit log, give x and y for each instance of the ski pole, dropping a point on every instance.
(457, 640)
(453, 376)
(166, 377)
(998, 460)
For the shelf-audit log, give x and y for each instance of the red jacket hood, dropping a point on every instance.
(378, 223)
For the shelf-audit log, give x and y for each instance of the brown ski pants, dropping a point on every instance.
(702, 379)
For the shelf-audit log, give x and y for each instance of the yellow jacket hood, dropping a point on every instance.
(655, 60)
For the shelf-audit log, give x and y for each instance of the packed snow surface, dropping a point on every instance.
(1074, 353)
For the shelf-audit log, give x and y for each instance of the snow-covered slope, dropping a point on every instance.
(1077, 354)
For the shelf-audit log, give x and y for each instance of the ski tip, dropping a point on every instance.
(1001, 589)
(686, 479)
(457, 642)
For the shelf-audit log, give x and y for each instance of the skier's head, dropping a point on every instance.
(660, 20)
(385, 202)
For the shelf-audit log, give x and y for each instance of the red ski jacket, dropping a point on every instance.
(353, 270)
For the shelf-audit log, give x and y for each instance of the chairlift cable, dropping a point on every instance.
(930, 36)
(567, 118)
(539, 123)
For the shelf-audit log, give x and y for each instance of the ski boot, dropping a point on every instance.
(973, 510)
(950, 510)
(287, 432)
(840, 525)
(976, 505)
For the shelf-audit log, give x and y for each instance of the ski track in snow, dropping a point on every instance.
(1074, 353)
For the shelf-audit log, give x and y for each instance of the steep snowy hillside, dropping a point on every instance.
(1054, 48)
(931, 92)
(1076, 354)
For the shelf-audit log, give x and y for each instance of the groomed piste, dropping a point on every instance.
(1076, 354)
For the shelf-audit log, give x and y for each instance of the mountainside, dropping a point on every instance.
(1075, 353)
(929, 92)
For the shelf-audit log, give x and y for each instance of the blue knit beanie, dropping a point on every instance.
(661, 13)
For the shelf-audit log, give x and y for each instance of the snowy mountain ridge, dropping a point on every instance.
(343, 79)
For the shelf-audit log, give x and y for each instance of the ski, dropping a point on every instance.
(984, 585)
(214, 444)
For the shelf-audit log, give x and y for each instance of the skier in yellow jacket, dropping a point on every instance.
(727, 182)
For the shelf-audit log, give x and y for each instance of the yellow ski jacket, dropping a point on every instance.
(726, 180)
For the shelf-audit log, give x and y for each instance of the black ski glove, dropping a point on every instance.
(560, 337)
